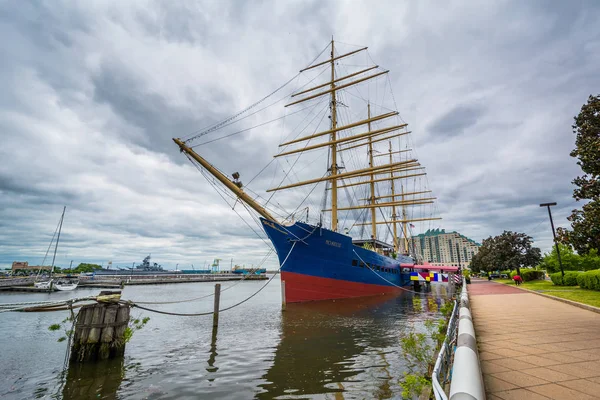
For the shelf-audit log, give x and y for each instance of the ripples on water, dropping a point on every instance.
(324, 350)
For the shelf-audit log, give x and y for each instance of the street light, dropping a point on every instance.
(554, 234)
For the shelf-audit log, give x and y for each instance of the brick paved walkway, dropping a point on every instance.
(532, 347)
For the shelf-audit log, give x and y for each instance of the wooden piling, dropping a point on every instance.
(283, 295)
(217, 301)
(100, 332)
(416, 286)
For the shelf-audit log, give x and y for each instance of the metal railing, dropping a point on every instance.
(442, 369)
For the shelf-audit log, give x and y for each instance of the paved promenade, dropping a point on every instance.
(532, 347)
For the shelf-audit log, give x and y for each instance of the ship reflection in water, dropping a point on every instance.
(349, 346)
(326, 350)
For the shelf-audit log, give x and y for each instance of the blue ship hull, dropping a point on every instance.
(326, 265)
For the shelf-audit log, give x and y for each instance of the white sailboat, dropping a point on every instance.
(60, 284)
(67, 284)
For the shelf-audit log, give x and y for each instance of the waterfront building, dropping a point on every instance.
(438, 247)
(24, 266)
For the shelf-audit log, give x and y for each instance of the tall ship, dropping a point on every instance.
(356, 152)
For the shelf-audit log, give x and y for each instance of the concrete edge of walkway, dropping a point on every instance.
(567, 301)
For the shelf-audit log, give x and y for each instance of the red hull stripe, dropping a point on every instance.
(300, 288)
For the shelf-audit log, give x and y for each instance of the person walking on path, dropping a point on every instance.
(518, 280)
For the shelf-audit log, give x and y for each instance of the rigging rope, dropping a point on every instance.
(221, 310)
(207, 295)
(391, 283)
(233, 117)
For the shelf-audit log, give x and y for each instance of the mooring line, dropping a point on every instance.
(392, 283)
(132, 304)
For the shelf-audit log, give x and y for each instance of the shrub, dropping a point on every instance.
(529, 274)
(569, 280)
(589, 280)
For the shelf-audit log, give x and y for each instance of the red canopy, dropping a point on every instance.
(445, 268)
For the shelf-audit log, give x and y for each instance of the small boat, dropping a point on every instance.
(43, 285)
(66, 284)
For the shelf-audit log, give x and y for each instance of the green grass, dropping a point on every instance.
(574, 293)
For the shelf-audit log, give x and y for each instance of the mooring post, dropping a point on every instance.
(217, 301)
(100, 330)
(283, 295)
(416, 286)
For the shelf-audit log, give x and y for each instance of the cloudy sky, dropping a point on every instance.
(93, 92)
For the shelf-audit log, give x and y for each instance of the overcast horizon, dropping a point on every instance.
(93, 93)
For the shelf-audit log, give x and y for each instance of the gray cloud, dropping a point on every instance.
(93, 93)
(456, 121)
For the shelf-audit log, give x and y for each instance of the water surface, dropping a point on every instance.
(324, 350)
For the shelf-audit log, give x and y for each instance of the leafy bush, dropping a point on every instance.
(529, 274)
(589, 280)
(569, 280)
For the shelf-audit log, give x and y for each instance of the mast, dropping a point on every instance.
(373, 210)
(404, 224)
(334, 219)
(395, 227)
(224, 180)
(58, 238)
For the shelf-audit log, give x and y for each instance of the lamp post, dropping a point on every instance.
(548, 205)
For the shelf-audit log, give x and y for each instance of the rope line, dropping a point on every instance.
(207, 295)
(391, 283)
(212, 312)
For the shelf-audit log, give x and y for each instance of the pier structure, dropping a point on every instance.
(117, 281)
(533, 347)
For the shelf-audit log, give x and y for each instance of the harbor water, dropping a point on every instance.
(325, 350)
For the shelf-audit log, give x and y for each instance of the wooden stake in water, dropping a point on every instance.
(99, 332)
(217, 301)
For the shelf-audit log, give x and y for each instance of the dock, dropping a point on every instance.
(117, 281)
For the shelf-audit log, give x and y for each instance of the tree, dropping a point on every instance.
(84, 267)
(571, 261)
(510, 250)
(585, 223)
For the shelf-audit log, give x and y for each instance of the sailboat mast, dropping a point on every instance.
(373, 210)
(395, 227)
(334, 171)
(58, 237)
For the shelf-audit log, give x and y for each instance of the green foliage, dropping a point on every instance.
(571, 261)
(529, 274)
(134, 325)
(446, 308)
(510, 250)
(64, 324)
(82, 268)
(419, 349)
(585, 223)
(589, 280)
(413, 385)
(367, 246)
(570, 278)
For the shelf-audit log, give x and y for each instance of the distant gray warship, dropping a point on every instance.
(145, 268)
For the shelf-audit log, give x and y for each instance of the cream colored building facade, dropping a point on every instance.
(439, 248)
